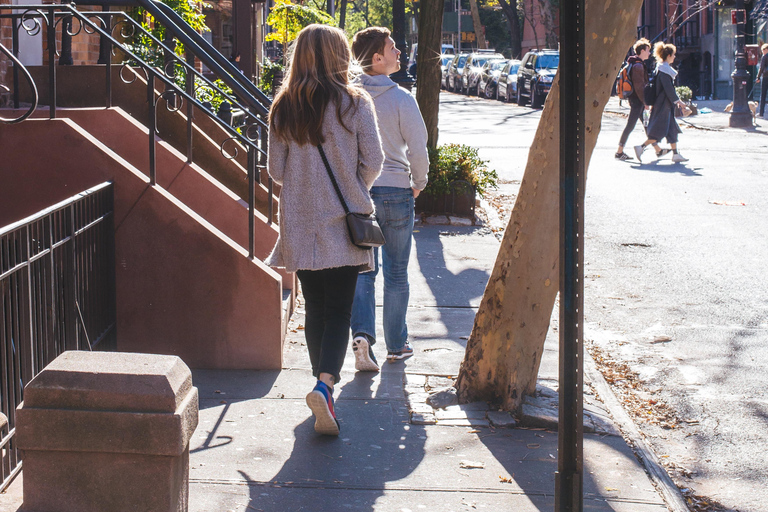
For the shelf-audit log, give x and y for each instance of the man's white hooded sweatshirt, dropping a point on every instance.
(403, 134)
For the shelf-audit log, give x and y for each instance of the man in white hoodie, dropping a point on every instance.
(404, 175)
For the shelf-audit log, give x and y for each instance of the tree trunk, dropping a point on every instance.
(547, 18)
(504, 350)
(513, 19)
(343, 14)
(479, 32)
(428, 65)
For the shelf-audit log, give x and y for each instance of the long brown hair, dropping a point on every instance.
(318, 74)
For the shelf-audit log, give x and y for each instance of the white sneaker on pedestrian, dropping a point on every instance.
(639, 153)
(677, 158)
(365, 361)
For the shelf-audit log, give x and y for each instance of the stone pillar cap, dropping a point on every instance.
(112, 381)
(3, 421)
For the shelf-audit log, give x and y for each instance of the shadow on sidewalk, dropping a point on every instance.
(377, 446)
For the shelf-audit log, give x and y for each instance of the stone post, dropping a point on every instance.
(107, 431)
(3, 423)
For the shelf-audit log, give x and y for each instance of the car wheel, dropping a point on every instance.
(511, 96)
(498, 97)
(488, 95)
(520, 100)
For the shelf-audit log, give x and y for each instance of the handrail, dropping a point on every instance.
(253, 133)
(30, 81)
(208, 55)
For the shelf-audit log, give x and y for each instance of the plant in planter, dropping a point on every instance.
(456, 174)
(271, 76)
(685, 94)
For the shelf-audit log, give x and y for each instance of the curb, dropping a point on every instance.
(659, 476)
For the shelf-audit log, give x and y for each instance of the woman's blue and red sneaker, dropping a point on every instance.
(320, 401)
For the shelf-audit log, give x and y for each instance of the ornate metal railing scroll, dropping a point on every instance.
(18, 66)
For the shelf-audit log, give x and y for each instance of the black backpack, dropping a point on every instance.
(649, 91)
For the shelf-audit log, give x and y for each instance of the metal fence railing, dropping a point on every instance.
(57, 293)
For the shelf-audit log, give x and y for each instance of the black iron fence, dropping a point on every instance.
(57, 293)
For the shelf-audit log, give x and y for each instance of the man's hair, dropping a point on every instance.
(663, 50)
(764, 47)
(641, 45)
(368, 42)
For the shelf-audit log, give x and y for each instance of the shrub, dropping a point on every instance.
(268, 70)
(685, 93)
(453, 162)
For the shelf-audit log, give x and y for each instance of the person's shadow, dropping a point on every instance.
(376, 446)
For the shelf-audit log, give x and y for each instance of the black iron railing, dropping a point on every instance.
(176, 83)
(57, 293)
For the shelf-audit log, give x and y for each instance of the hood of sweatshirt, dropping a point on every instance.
(634, 59)
(664, 67)
(376, 85)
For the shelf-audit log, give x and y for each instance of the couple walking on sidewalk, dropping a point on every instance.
(662, 123)
(375, 141)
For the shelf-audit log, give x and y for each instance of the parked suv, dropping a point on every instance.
(453, 76)
(470, 74)
(489, 78)
(535, 75)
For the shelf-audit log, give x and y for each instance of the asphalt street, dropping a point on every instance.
(675, 288)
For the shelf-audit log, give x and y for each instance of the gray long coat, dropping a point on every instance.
(313, 229)
(662, 123)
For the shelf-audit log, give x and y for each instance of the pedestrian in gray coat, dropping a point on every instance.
(662, 123)
(317, 106)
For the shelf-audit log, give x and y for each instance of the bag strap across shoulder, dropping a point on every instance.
(333, 178)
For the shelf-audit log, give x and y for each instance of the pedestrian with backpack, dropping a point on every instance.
(634, 71)
(662, 123)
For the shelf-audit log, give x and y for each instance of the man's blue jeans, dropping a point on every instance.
(394, 213)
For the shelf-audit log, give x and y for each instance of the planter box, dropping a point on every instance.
(460, 201)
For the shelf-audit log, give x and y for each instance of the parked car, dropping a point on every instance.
(445, 61)
(470, 74)
(506, 88)
(489, 78)
(412, 69)
(453, 76)
(535, 75)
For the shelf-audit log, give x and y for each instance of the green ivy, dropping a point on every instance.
(287, 19)
(453, 162)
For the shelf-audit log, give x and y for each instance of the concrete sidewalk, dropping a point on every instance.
(255, 447)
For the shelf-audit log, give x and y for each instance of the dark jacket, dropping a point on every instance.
(663, 113)
(639, 77)
(762, 71)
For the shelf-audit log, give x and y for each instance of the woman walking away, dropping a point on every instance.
(662, 123)
(318, 110)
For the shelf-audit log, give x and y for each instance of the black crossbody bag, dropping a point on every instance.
(363, 229)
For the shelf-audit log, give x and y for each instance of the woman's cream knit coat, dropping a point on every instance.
(313, 229)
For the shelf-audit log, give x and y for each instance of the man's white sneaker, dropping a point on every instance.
(639, 153)
(365, 361)
(677, 158)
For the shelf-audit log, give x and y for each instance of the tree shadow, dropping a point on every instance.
(451, 291)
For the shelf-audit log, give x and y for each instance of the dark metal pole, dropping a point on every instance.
(190, 88)
(252, 202)
(152, 127)
(15, 41)
(568, 480)
(741, 116)
(66, 42)
(51, 64)
(402, 77)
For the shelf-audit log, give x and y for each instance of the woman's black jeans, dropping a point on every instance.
(328, 297)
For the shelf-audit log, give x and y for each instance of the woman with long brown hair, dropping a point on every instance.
(317, 106)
